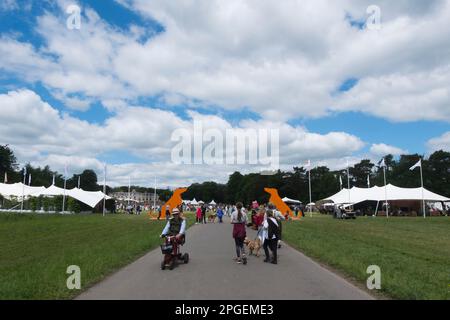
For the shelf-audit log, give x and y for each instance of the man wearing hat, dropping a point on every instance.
(176, 226)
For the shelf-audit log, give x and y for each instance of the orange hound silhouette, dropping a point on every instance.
(276, 200)
(174, 201)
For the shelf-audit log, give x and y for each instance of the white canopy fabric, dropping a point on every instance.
(194, 202)
(16, 189)
(213, 202)
(357, 195)
(91, 198)
(288, 200)
(54, 191)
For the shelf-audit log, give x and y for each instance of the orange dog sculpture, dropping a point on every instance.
(174, 201)
(276, 200)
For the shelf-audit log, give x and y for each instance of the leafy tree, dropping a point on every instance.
(73, 205)
(360, 172)
(437, 173)
(34, 203)
(8, 164)
(88, 181)
(234, 187)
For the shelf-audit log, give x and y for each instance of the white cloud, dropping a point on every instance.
(42, 135)
(440, 143)
(382, 150)
(281, 60)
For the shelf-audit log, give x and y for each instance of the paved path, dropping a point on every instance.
(212, 274)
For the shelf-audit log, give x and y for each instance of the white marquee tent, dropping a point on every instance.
(391, 193)
(17, 189)
(288, 200)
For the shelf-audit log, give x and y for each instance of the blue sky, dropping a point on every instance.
(199, 62)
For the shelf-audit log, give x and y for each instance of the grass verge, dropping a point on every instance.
(413, 253)
(36, 250)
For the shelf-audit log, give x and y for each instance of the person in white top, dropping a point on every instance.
(279, 216)
(271, 235)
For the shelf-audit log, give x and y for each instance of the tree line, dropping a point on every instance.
(325, 182)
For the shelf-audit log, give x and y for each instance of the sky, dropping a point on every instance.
(116, 89)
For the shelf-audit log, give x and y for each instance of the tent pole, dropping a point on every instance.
(385, 193)
(376, 210)
(423, 197)
(64, 196)
(23, 194)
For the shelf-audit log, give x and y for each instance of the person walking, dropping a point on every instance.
(198, 215)
(167, 213)
(270, 233)
(239, 220)
(220, 214)
(204, 214)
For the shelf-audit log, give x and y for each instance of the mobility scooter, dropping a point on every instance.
(171, 251)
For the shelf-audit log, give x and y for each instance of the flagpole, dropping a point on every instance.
(310, 194)
(64, 196)
(423, 197)
(385, 192)
(104, 189)
(23, 189)
(154, 198)
(348, 183)
(129, 187)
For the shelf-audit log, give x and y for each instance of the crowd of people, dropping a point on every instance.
(266, 220)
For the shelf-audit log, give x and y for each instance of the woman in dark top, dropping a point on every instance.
(239, 220)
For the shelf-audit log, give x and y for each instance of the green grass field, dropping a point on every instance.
(36, 250)
(413, 253)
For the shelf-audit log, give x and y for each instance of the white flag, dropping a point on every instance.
(308, 165)
(29, 180)
(368, 180)
(53, 183)
(6, 177)
(340, 181)
(79, 182)
(24, 171)
(66, 174)
(418, 164)
(383, 163)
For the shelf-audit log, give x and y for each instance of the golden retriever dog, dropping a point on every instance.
(254, 246)
(212, 218)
